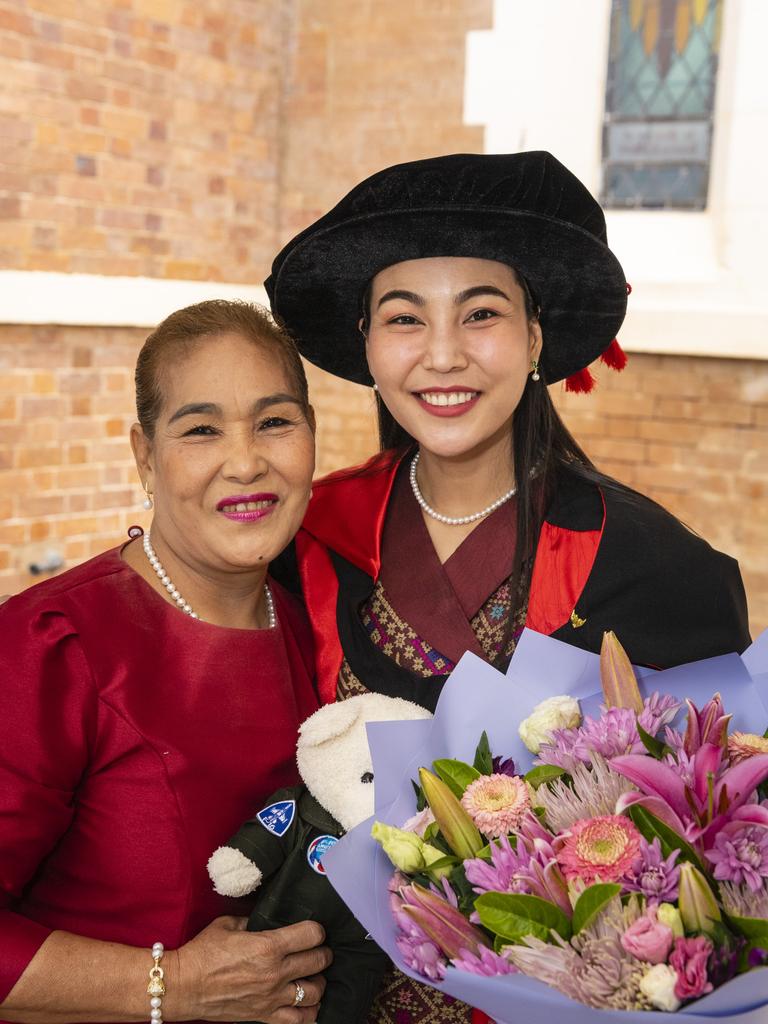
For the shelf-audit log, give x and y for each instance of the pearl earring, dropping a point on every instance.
(375, 387)
(535, 367)
(147, 503)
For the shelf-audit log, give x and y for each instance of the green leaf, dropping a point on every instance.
(421, 800)
(485, 853)
(449, 861)
(591, 902)
(455, 774)
(654, 747)
(753, 928)
(483, 762)
(513, 916)
(543, 773)
(465, 894)
(431, 831)
(651, 827)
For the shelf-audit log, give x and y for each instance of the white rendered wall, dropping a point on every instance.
(537, 81)
(41, 297)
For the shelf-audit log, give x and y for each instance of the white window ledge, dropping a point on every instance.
(92, 300)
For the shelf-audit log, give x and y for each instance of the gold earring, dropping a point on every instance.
(147, 503)
(535, 370)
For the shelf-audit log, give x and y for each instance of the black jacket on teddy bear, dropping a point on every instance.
(287, 840)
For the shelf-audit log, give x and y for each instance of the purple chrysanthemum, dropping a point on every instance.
(530, 868)
(678, 760)
(741, 856)
(658, 711)
(611, 734)
(488, 964)
(505, 873)
(652, 875)
(561, 751)
(422, 956)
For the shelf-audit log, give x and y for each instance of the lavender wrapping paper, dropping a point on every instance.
(478, 697)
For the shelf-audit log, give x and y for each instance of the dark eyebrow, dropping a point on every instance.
(401, 293)
(196, 409)
(211, 409)
(480, 289)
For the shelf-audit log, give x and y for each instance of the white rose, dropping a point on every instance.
(552, 713)
(658, 986)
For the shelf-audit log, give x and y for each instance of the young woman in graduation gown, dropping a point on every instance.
(150, 698)
(460, 287)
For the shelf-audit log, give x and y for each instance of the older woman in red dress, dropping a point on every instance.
(150, 698)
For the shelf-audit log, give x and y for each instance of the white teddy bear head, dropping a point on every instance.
(333, 756)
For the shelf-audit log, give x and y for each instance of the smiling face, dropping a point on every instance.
(231, 461)
(450, 346)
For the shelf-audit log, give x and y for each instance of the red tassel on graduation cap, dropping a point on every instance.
(614, 356)
(580, 382)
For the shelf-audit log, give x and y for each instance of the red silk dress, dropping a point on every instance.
(134, 740)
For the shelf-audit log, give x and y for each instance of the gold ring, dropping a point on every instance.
(300, 993)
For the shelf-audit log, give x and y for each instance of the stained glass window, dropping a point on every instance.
(657, 132)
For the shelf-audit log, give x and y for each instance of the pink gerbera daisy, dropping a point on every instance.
(598, 849)
(496, 803)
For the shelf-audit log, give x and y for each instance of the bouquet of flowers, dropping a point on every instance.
(625, 869)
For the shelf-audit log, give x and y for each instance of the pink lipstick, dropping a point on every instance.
(247, 508)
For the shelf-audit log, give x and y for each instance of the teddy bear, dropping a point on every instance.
(278, 853)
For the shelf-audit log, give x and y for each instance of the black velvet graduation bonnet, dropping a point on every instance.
(523, 209)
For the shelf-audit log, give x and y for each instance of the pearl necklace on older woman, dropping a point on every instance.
(453, 520)
(167, 582)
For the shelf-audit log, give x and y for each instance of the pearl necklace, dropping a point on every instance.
(449, 520)
(165, 579)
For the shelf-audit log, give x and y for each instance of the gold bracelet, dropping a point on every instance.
(156, 986)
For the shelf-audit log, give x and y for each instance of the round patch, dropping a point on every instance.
(317, 848)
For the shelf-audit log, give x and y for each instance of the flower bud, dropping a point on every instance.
(444, 924)
(552, 713)
(668, 914)
(698, 907)
(404, 849)
(658, 987)
(620, 687)
(457, 827)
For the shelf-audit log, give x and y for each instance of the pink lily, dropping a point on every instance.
(708, 805)
(442, 923)
(710, 725)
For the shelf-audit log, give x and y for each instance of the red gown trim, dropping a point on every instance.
(348, 508)
(564, 560)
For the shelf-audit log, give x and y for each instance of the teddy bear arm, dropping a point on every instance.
(247, 859)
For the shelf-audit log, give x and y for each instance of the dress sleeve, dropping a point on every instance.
(47, 723)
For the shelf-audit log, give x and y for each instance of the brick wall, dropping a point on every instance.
(139, 137)
(368, 85)
(190, 138)
(67, 479)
